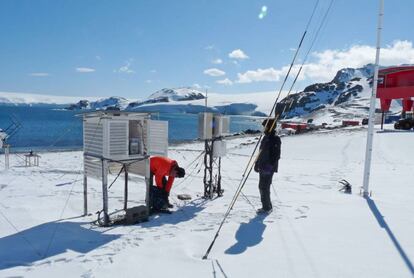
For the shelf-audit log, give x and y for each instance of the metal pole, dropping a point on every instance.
(6, 157)
(370, 136)
(210, 171)
(85, 194)
(105, 192)
(126, 188)
(147, 182)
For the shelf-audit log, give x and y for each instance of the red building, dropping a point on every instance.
(350, 123)
(396, 83)
(296, 126)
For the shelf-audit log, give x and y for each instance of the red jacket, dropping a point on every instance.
(161, 167)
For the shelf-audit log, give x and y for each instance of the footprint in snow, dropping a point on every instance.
(302, 210)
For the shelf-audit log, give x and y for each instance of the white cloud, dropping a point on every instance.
(326, 63)
(258, 75)
(85, 70)
(225, 81)
(238, 54)
(197, 86)
(214, 72)
(217, 61)
(126, 68)
(39, 74)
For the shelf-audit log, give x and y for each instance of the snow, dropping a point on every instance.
(314, 230)
(28, 99)
(240, 104)
(255, 103)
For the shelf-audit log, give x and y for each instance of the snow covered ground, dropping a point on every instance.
(314, 230)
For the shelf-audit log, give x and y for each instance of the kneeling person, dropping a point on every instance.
(161, 168)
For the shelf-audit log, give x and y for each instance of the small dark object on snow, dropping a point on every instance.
(184, 196)
(365, 121)
(346, 188)
(136, 214)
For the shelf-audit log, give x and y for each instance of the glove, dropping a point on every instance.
(256, 168)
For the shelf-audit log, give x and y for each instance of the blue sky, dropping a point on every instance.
(134, 48)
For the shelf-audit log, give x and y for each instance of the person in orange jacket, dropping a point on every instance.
(162, 167)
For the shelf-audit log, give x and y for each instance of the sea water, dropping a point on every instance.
(51, 127)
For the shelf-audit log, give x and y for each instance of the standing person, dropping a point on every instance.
(267, 163)
(162, 167)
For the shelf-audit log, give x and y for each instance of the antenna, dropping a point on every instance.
(206, 100)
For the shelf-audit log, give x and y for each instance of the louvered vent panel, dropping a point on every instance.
(93, 138)
(158, 137)
(93, 167)
(118, 138)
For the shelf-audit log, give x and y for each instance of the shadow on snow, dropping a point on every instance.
(248, 235)
(381, 221)
(183, 214)
(35, 243)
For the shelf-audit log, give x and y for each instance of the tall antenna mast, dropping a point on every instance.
(370, 137)
(206, 100)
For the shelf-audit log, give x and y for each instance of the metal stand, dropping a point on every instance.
(211, 187)
(104, 217)
(85, 194)
(7, 156)
(126, 188)
(28, 159)
(105, 192)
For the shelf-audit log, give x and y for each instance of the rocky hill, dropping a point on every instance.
(349, 88)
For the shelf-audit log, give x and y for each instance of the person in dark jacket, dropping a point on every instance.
(267, 163)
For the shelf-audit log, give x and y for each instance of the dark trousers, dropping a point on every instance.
(158, 196)
(265, 180)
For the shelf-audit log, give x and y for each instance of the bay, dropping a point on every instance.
(53, 128)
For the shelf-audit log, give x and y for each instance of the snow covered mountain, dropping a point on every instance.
(190, 100)
(349, 88)
(170, 95)
(346, 96)
(101, 104)
(14, 99)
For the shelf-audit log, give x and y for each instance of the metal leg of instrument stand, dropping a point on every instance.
(85, 194)
(126, 188)
(105, 192)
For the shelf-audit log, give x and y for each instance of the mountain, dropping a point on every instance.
(15, 99)
(349, 87)
(346, 96)
(190, 100)
(101, 104)
(170, 95)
